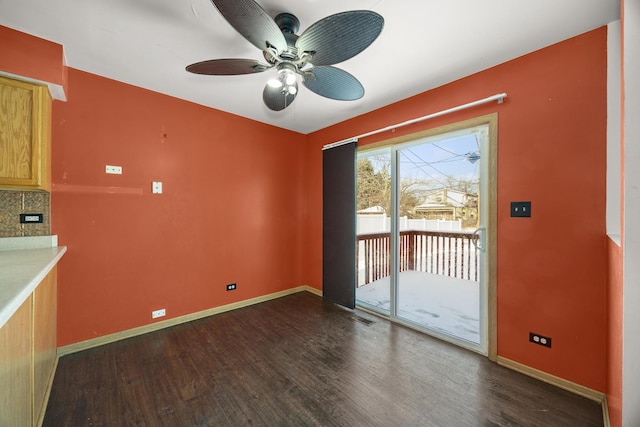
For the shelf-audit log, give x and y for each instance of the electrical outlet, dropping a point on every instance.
(158, 313)
(539, 339)
(521, 209)
(231, 287)
(114, 170)
(31, 218)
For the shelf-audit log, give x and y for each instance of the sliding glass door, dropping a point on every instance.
(422, 234)
(373, 227)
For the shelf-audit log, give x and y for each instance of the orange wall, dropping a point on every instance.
(231, 211)
(33, 57)
(552, 270)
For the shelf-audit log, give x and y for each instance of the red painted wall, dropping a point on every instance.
(552, 268)
(231, 211)
(29, 56)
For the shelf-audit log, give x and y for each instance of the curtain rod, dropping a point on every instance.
(498, 97)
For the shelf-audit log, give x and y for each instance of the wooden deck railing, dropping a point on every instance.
(451, 254)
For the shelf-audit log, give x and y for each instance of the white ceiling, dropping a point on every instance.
(424, 44)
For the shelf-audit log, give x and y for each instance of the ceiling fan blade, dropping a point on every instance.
(227, 67)
(339, 37)
(275, 99)
(251, 20)
(334, 83)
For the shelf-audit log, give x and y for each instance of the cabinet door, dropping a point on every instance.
(24, 135)
(15, 369)
(44, 341)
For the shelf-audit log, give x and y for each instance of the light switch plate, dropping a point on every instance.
(156, 187)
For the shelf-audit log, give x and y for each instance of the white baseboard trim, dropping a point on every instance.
(313, 290)
(581, 390)
(106, 339)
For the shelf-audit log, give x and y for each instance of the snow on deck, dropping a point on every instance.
(443, 303)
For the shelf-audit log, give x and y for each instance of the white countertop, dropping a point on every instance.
(21, 270)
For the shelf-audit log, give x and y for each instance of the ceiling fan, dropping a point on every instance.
(311, 55)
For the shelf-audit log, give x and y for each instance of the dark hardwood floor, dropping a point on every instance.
(299, 361)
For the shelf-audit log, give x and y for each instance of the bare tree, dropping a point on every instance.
(374, 187)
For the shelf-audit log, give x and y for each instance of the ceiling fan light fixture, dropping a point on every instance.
(286, 79)
(290, 89)
(331, 40)
(275, 83)
(288, 76)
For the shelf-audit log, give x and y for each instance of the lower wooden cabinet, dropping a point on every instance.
(16, 367)
(44, 342)
(28, 357)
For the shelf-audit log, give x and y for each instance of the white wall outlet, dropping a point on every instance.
(156, 187)
(158, 313)
(114, 170)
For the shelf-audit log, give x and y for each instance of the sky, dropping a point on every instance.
(439, 159)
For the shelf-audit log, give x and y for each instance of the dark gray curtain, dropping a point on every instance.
(339, 224)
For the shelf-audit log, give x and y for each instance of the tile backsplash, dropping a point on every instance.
(16, 202)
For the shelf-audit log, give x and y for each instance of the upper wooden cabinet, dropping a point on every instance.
(25, 116)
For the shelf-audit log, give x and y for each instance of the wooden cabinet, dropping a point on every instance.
(28, 357)
(15, 368)
(25, 122)
(44, 342)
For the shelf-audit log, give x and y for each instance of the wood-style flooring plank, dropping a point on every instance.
(300, 361)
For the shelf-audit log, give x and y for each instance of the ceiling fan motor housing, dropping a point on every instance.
(287, 22)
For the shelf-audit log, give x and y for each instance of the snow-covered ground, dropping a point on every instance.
(446, 304)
